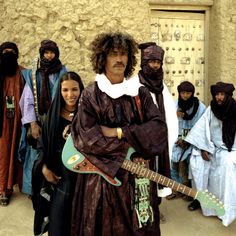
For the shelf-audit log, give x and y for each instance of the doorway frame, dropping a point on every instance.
(191, 6)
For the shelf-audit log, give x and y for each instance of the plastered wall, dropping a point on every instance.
(73, 24)
(222, 42)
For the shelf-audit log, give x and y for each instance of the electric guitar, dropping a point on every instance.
(77, 162)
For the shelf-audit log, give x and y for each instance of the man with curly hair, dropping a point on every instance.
(109, 120)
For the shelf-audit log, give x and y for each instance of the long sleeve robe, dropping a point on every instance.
(27, 154)
(9, 140)
(100, 208)
(184, 125)
(219, 174)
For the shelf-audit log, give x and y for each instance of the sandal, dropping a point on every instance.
(194, 205)
(174, 195)
(187, 198)
(4, 201)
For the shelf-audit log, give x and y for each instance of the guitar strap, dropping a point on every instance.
(34, 83)
(30, 139)
(35, 66)
(143, 207)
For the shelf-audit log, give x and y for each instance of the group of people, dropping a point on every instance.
(204, 154)
(41, 106)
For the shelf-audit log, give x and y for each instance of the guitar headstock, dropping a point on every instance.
(208, 200)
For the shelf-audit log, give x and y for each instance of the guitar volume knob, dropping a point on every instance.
(76, 167)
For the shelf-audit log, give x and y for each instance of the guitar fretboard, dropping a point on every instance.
(160, 179)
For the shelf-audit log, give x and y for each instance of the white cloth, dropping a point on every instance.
(219, 174)
(171, 118)
(184, 125)
(172, 126)
(164, 192)
(128, 87)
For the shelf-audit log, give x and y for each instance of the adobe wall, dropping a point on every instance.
(222, 45)
(73, 25)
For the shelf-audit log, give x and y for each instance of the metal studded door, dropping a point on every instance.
(181, 35)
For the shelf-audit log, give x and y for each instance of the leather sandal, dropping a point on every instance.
(194, 205)
(4, 201)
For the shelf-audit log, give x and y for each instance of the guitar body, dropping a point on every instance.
(75, 161)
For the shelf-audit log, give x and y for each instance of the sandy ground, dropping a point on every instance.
(17, 219)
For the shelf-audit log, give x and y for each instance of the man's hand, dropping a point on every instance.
(205, 155)
(36, 130)
(180, 114)
(181, 143)
(50, 176)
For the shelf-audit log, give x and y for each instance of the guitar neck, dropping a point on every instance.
(160, 179)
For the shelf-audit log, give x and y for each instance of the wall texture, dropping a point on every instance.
(222, 45)
(73, 25)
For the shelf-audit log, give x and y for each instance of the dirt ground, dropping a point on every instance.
(17, 219)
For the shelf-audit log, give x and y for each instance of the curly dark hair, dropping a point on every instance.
(105, 42)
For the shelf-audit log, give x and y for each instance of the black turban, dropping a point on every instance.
(49, 45)
(186, 86)
(9, 45)
(150, 51)
(152, 78)
(222, 87)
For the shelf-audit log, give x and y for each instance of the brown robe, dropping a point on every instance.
(9, 141)
(98, 207)
(156, 87)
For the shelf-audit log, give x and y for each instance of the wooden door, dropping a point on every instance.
(181, 35)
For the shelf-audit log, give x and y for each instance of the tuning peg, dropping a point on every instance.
(221, 206)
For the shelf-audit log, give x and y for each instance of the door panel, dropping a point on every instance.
(181, 35)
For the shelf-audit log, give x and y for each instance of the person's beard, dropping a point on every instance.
(8, 64)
